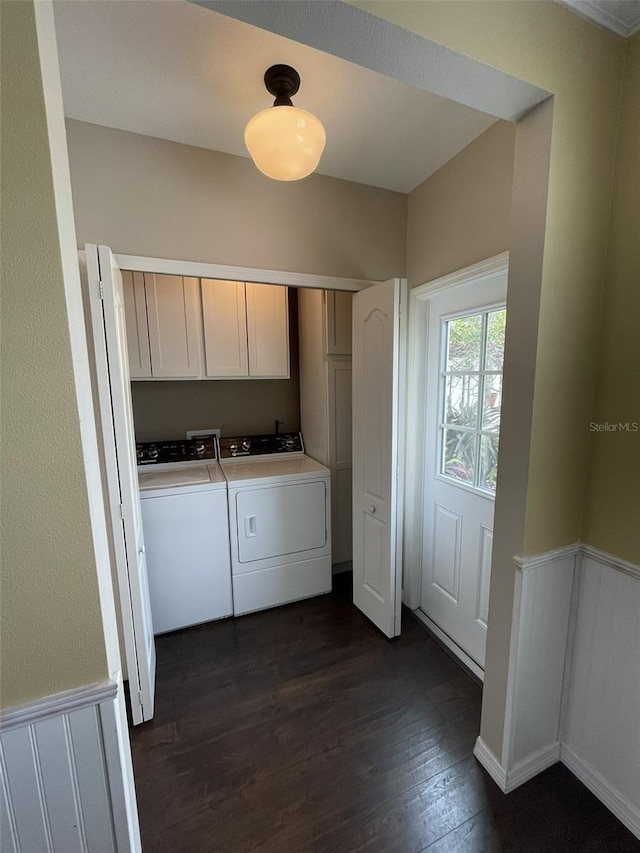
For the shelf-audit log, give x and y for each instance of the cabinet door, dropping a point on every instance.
(174, 335)
(135, 310)
(225, 328)
(339, 322)
(340, 458)
(268, 330)
(340, 441)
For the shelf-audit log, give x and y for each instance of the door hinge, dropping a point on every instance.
(101, 288)
(122, 511)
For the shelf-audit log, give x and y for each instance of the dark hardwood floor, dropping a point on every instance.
(303, 729)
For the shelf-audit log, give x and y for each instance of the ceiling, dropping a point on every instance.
(621, 16)
(181, 72)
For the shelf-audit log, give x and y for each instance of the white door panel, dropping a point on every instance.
(339, 321)
(114, 393)
(457, 533)
(377, 377)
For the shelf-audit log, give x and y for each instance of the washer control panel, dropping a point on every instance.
(161, 452)
(261, 445)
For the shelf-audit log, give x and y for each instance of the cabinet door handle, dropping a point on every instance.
(249, 526)
(372, 509)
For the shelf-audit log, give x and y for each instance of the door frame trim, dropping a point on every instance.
(198, 269)
(419, 310)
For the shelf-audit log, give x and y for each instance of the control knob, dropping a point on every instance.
(200, 448)
(246, 445)
(233, 448)
(290, 442)
(139, 454)
(153, 453)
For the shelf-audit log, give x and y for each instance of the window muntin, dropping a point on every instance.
(471, 397)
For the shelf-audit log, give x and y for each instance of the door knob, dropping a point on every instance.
(141, 549)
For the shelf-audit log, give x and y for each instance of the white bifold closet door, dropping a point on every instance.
(106, 301)
(378, 380)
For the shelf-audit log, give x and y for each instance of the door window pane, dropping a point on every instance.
(461, 404)
(459, 454)
(492, 400)
(464, 343)
(494, 350)
(471, 398)
(488, 462)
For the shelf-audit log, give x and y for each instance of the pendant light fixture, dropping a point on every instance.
(285, 142)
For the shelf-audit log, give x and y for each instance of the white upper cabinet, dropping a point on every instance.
(187, 328)
(267, 331)
(135, 306)
(224, 319)
(339, 322)
(173, 315)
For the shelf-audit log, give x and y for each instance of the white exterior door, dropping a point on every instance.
(464, 356)
(378, 368)
(114, 392)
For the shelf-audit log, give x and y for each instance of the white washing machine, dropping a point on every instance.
(279, 520)
(183, 498)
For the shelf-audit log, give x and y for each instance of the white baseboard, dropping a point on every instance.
(626, 812)
(491, 764)
(533, 764)
(526, 769)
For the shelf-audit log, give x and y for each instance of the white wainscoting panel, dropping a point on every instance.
(541, 643)
(601, 730)
(574, 686)
(59, 785)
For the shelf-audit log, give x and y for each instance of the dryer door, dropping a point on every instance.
(275, 521)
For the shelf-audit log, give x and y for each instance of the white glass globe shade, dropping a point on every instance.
(286, 143)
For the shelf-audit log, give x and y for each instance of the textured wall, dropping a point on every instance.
(461, 214)
(166, 200)
(612, 510)
(51, 621)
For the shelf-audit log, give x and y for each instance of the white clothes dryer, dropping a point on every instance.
(279, 521)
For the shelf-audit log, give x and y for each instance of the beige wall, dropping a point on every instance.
(582, 65)
(146, 196)
(612, 511)
(164, 410)
(461, 214)
(51, 624)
